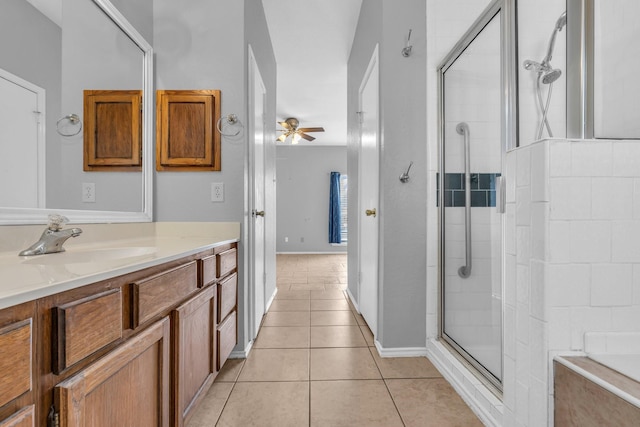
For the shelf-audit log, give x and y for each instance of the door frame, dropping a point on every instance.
(41, 158)
(374, 64)
(253, 76)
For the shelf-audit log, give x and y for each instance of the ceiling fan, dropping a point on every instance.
(291, 128)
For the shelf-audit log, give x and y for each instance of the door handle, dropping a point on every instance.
(500, 194)
(256, 213)
(371, 212)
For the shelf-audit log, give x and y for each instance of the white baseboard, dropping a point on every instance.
(313, 253)
(241, 354)
(353, 300)
(400, 351)
(270, 301)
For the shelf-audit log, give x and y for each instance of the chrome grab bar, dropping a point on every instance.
(463, 129)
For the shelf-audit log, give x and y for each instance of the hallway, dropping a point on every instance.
(314, 364)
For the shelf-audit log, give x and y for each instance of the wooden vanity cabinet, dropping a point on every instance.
(137, 350)
(18, 377)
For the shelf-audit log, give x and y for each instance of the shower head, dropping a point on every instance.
(551, 76)
(560, 23)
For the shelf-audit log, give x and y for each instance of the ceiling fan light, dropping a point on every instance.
(295, 139)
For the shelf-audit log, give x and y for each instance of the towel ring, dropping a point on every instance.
(74, 119)
(230, 120)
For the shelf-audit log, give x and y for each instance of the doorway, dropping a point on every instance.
(23, 120)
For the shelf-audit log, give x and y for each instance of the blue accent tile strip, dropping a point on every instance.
(483, 189)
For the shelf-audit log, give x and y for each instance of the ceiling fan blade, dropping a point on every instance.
(285, 125)
(305, 136)
(318, 129)
(282, 137)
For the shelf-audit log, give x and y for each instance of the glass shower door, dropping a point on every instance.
(469, 196)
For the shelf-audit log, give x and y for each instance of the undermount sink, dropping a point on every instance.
(92, 255)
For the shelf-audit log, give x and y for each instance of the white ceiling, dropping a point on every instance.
(312, 41)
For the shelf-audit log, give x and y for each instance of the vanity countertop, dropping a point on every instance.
(103, 251)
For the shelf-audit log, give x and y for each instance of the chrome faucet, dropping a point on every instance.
(52, 238)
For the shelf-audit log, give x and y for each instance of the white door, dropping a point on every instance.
(368, 190)
(257, 94)
(21, 143)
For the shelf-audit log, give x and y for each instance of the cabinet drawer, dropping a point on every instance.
(227, 296)
(26, 417)
(85, 326)
(15, 360)
(207, 270)
(226, 262)
(227, 338)
(156, 294)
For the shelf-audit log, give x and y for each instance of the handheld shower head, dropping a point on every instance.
(560, 23)
(551, 76)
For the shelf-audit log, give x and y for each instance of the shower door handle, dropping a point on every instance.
(500, 194)
(463, 129)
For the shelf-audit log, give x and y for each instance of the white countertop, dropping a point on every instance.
(114, 250)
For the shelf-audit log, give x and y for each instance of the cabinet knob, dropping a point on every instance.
(258, 213)
(371, 212)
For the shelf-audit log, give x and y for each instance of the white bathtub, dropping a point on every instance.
(626, 364)
(619, 351)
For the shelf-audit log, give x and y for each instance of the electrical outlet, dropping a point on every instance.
(88, 192)
(217, 192)
(286, 240)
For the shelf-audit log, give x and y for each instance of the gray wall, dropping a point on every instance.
(96, 54)
(303, 196)
(37, 59)
(402, 255)
(204, 46)
(140, 14)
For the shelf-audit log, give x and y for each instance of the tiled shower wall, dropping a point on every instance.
(572, 260)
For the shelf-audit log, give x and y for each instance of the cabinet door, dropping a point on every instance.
(186, 138)
(112, 130)
(128, 387)
(17, 362)
(23, 418)
(193, 351)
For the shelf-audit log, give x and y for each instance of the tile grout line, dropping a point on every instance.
(384, 381)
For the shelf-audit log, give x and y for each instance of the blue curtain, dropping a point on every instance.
(334, 209)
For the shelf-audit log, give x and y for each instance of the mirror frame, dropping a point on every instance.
(17, 216)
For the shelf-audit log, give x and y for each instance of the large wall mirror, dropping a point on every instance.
(50, 53)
